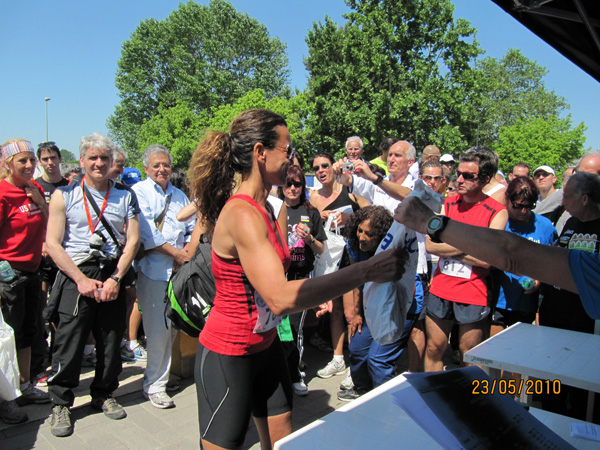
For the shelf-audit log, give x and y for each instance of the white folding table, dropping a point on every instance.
(375, 421)
(542, 352)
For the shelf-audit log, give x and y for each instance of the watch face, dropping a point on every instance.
(435, 223)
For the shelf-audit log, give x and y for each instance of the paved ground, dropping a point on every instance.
(149, 428)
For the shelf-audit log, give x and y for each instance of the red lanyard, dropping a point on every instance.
(87, 209)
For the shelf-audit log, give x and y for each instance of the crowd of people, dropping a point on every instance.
(90, 254)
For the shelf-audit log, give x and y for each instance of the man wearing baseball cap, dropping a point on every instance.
(130, 176)
(550, 199)
(448, 162)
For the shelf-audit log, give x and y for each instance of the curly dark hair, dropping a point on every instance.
(381, 221)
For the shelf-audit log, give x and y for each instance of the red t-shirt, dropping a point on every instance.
(457, 284)
(229, 329)
(22, 228)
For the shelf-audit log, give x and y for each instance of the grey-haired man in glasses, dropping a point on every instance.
(458, 291)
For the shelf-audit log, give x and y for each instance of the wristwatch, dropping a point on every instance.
(312, 241)
(378, 180)
(435, 226)
(116, 278)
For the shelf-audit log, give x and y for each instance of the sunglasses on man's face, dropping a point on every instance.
(520, 206)
(321, 166)
(296, 184)
(467, 176)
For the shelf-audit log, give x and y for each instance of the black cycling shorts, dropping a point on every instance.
(230, 388)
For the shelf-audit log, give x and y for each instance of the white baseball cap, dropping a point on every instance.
(546, 169)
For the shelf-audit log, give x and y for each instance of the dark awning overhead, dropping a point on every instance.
(570, 26)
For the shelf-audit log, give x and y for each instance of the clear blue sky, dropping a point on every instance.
(68, 50)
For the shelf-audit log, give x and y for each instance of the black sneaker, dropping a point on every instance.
(110, 407)
(11, 413)
(60, 421)
(348, 395)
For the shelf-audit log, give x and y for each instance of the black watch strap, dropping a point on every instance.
(378, 180)
(435, 226)
(116, 278)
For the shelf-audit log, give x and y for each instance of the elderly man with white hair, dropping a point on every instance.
(384, 191)
(164, 239)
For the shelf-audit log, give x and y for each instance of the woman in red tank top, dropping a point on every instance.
(240, 369)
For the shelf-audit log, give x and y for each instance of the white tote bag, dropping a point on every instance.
(329, 260)
(9, 369)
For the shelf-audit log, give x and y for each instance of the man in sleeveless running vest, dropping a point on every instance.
(458, 291)
(93, 235)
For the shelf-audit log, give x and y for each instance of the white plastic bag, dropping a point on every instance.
(386, 304)
(9, 368)
(329, 260)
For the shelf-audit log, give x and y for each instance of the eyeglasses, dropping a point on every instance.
(467, 175)
(431, 177)
(297, 184)
(288, 149)
(540, 174)
(354, 149)
(321, 166)
(520, 206)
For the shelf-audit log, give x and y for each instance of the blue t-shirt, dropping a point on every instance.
(512, 296)
(585, 270)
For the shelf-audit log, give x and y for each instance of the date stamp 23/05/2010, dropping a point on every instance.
(514, 387)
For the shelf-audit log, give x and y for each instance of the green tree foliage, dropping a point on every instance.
(177, 128)
(68, 157)
(180, 128)
(293, 110)
(396, 67)
(511, 89)
(540, 141)
(203, 55)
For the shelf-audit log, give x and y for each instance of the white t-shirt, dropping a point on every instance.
(377, 196)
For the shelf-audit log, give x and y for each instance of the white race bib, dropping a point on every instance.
(266, 319)
(455, 268)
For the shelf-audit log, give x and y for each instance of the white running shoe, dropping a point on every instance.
(332, 368)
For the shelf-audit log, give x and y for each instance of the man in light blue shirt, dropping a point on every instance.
(164, 239)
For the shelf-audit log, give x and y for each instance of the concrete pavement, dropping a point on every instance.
(147, 427)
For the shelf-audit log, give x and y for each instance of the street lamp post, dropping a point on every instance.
(46, 99)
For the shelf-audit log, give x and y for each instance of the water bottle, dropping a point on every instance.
(293, 238)
(526, 283)
(6, 272)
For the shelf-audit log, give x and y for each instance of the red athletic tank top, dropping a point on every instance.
(229, 329)
(473, 289)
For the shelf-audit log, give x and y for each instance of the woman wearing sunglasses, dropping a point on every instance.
(518, 300)
(334, 198)
(240, 366)
(305, 238)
